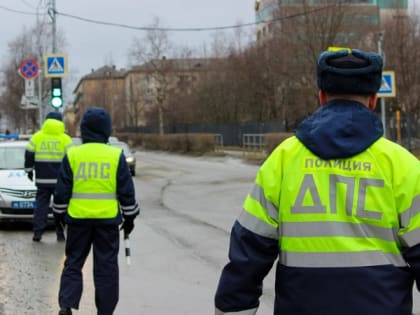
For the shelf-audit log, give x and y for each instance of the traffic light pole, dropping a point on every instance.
(52, 14)
(53, 19)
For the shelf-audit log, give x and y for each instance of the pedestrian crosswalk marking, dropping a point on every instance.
(388, 88)
(55, 66)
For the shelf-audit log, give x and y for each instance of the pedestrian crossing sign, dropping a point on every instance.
(387, 88)
(55, 65)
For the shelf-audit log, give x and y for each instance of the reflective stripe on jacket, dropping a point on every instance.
(94, 167)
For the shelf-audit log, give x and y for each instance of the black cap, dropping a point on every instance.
(95, 125)
(54, 115)
(349, 72)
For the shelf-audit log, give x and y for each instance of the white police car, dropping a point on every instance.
(17, 192)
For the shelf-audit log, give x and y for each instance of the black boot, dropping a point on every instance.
(60, 236)
(65, 311)
(37, 237)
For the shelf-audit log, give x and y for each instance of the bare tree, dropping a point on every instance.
(153, 50)
(298, 35)
(401, 39)
(31, 43)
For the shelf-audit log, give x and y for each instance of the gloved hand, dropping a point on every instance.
(30, 175)
(127, 226)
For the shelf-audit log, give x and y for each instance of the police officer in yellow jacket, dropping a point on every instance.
(44, 154)
(95, 191)
(337, 205)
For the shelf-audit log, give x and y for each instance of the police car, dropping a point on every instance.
(17, 192)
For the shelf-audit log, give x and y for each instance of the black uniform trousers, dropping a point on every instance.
(40, 218)
(104, 240)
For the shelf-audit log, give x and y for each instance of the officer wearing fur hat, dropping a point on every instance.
(337, 205)
(95, 191)
(44, 154)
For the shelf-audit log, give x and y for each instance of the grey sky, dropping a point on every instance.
(91, 45)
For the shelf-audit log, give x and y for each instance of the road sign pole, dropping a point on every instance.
(381, 53)
(40, 107)
(383, 114)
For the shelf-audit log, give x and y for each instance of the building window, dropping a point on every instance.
(147, 103)
(148, 79)
(182, 78)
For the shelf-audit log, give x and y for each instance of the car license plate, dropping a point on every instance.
(23, 204)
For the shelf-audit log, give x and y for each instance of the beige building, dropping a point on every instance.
(104, 88)
(130, 95)
(158, 85)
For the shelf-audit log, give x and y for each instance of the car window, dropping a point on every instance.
(12, 157)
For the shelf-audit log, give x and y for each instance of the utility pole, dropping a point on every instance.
(52, 14)
(40, 105)
(381, 53)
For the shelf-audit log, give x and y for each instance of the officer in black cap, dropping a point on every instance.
(337, 205)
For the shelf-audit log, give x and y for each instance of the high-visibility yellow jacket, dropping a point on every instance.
(345, 230)
(358, 211)
(45, 152)
(94, 167)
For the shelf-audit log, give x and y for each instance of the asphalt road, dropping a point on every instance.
(179, 244)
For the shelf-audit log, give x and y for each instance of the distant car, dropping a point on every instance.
(112, 140)
(129, 155)
(17, 192)
(76, 140)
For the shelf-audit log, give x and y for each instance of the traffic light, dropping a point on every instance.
(56, 100)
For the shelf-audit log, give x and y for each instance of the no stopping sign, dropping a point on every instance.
(29, 68)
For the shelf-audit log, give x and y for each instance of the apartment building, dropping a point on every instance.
(130, 95)
(158, 86)
(271, 15)
(103, 87)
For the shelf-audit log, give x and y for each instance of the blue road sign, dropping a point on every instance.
(55, 65)
(387, 88)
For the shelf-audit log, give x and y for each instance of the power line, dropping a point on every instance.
(174, 29)
(17, 11)
(150, 28)
(191, 29)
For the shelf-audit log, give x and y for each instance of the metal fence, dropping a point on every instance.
(405, 131)
(253, 141)
(230, 134)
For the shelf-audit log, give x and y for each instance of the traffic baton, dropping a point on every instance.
(127, 249)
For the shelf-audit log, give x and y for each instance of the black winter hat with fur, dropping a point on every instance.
(344, 72)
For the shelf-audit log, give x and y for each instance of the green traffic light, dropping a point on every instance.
(56, 102)
(56, 92)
